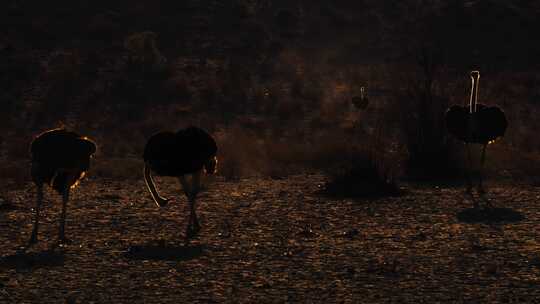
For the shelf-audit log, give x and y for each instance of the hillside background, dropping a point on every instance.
(272, 80)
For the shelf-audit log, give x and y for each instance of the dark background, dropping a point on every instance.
(272, 80)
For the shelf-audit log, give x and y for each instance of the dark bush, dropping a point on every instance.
(363, 178)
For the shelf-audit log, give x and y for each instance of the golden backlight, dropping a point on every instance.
(78, 180)
(215, 166)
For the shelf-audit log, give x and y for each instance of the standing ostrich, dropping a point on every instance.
(360, 102)
(190, 151)
(60, 158)
(476, 124)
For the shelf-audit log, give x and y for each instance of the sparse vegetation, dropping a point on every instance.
(272, 81)
(288, 104)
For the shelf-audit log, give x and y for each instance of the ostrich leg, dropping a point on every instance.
(469, 177)
(39, 201)
(187, 191)
(193, 226)
(469, 169)
(61, 235)
(196, 186)
(481, 189)
(185, 186)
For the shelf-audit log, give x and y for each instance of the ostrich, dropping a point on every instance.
(60, 158)
(476, 124)
(190, 151)
(360, 102)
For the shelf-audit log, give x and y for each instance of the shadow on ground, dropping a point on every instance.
(490, 215)
(32, 260)
(164, 252)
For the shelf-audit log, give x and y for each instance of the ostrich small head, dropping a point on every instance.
(475, 78)
(211, 166)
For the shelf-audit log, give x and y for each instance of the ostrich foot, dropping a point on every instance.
(482, 192)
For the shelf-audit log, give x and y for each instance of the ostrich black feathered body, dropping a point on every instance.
(184, 152)
(360, 103)
(481, 127)
(56, 151)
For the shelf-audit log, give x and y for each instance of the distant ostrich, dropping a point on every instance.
(476, 124)
(190, 151)
(60, 158)
(360, 102)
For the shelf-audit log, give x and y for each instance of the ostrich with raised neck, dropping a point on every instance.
(360, 102)
(476, 123)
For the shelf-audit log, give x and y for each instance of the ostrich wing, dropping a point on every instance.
(62, 149)
(197, 146)
(360, 103)
(456, 118)
(161, 154)
(492, 123)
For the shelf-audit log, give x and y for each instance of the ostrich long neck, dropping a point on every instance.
(475, 77)
(158, 199)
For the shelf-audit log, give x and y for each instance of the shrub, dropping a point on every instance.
(368, 168)
(420, 106)
(363, 179)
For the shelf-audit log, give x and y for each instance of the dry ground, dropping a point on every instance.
(273, 241)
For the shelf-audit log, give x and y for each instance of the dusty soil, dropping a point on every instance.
(273, 241)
